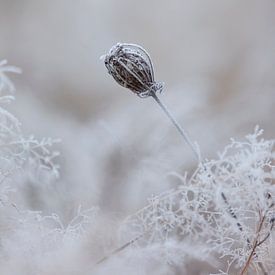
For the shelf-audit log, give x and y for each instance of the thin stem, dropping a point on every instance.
(254, 246)
(233, 214)
(118, 250)
(182, 132)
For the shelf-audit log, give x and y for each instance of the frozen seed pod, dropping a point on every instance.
(131, 67)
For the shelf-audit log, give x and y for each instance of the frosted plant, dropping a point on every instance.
(16, 150)
(39, 244)
(30, 241)
(226, 207)
(131, 67)
(34, 232)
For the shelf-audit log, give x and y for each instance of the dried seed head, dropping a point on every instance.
(131, 67)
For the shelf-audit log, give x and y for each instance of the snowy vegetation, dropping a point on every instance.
(225, 210)
(220, 218)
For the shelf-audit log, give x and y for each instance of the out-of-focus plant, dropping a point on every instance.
(16, 150)
(29, 236)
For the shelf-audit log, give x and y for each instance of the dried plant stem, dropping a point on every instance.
(182, 132)
(254, 246)
(131, 67)
(118, 250)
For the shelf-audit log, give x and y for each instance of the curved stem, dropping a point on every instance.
(182, 132)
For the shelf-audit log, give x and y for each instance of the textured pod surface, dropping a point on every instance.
(131, 67)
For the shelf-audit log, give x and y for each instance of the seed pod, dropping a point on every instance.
(131, 67)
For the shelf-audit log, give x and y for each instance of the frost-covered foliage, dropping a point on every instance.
(16, 150)
(224, 211)
(29, 239)
(220, 220)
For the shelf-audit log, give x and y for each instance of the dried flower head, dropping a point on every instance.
(131, 67)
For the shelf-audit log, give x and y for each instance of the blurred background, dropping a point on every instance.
(217, 59)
